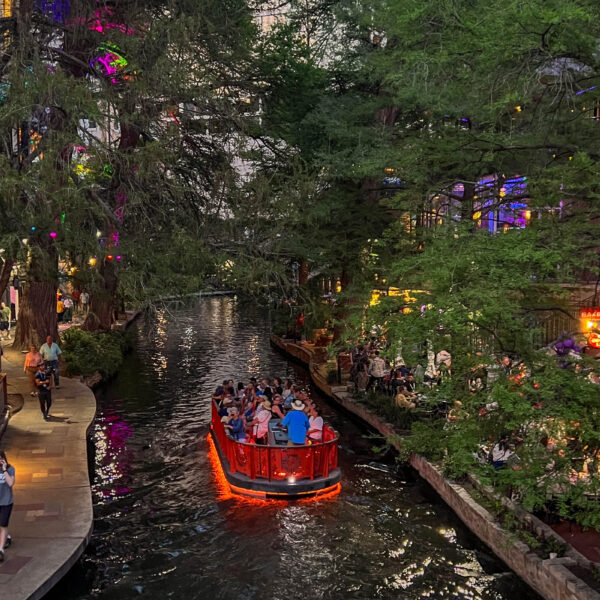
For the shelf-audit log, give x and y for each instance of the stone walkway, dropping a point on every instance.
(52, 519)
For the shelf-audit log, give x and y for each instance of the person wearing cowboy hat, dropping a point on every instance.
(260, 424)
(297, 424)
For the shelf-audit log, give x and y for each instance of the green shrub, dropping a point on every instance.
(85, 353)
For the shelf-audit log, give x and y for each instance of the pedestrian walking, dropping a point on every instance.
(33, 359)
(84, 299)
(50, 353)
(43, 382)
(7, 480)
(75, 294)
(5, 321)
(68, 314)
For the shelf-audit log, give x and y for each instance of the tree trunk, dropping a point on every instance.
(303, 273)
(5, 274)
(102, 301)
(37, 314)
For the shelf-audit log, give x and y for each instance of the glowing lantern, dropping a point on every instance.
(594, 339)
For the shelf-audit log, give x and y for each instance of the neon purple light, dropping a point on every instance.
(53, 234)
(586, 90)
(57, 10)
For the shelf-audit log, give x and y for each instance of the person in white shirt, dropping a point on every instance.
(68, 312)
(84, 299)
(376, 370)
(315, 431)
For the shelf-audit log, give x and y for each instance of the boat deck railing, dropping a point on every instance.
(278, 462)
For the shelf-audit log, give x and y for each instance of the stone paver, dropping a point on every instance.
(52, 518)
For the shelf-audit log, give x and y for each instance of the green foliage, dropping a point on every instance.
(86, 353)
(384, 406)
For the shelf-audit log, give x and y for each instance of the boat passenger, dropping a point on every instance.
(225, 406)
(240, 390)
(230, 387)
(277, 387)
(297, 424)
(235, 424)
(315, 432)
(308, 404)
(290, 397)
(265, 387)
(260, 423)
(287, 388)
(277, 408)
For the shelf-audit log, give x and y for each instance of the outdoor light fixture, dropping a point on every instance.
(53, 234)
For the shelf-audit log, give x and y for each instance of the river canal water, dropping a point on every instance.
(165, 528)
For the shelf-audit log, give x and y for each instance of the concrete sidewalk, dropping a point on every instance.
(52, 518)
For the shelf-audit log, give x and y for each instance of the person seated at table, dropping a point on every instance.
(502, 452)
(402, 400)
(277, 408)
(315, 432)
(457, 412)
(260, 423)
(409, 383)
(235, 425)
(396, 379)
(297, 424)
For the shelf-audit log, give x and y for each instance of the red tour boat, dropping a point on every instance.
(277, 470)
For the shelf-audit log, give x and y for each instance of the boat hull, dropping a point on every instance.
(284, 489)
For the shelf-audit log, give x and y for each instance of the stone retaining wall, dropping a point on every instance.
(550, 578)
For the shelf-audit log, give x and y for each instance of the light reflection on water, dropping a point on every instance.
(164, 530)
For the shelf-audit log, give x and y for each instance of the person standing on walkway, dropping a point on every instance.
(84, 298)
(376, 371)
(68, 314)
(7, 480)
(50, 353)
(75, 295)
(43, 381)
(60, 309)
(33, 359)
(5, 321)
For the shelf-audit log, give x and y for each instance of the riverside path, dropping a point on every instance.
(52, 517)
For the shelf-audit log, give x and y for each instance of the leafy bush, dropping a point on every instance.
(85, 353)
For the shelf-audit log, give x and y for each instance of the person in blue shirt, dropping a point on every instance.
(236, 426)
(297, 424)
